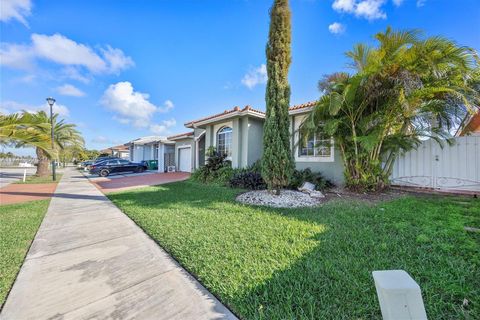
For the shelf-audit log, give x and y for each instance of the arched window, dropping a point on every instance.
(224, 141)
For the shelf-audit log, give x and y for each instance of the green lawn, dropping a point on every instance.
(314, 263)
(18, 225)
(33, 179)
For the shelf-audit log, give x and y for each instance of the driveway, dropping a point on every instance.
(137, 180)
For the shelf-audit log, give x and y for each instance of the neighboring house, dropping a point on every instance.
(239, 134)
(189, 150)
(121, 151)
(153, 148)
(470, 125)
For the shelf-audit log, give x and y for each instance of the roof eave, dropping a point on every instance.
(241, 113)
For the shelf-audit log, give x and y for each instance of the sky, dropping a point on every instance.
(120, 70)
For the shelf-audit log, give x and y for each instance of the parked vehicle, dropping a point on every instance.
(107, 167)
(85, 165)
(101, 159)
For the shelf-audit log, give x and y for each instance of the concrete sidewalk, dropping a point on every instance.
(90, 261)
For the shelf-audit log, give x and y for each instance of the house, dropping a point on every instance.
(470, 125)
(153, 148)
(186, 146)
(239, 134)
(120, 151)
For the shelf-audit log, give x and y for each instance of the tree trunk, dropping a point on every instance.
(42, 167)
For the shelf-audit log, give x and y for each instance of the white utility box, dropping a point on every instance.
(399, 295)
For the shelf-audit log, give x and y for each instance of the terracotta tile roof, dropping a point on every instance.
(235, 109)
(118, 148)
(472, 124)
(249, 108)
(303, 105)
(186, 134)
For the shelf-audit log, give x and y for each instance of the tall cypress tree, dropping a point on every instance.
(277, 160)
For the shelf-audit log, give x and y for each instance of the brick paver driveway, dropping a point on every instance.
(118, 183)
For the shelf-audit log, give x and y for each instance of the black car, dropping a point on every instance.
(101, 159)
(106, 167)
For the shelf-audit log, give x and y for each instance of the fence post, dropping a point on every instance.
(24, 174)
(399, 295)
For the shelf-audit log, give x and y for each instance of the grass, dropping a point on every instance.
(33, 179)
(314, 263)
(18, 225)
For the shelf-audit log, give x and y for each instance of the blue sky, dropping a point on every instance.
(125, 69)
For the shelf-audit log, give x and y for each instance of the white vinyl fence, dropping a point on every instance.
(15, 162)
(453, 167)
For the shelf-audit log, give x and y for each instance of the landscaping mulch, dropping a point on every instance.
(286, 199)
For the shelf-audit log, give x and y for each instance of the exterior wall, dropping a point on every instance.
(255, 140)
(247, 147)
(247, 136)
(183, 143)
(333, 171)
(201, 152)
(131, 152)
(330, 167)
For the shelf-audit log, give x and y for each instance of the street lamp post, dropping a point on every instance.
(51, 102)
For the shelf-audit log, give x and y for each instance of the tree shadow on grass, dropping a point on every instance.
(332, 279)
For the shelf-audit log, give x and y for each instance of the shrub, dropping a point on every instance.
(217, 169)
(247, 180)
(306, 175)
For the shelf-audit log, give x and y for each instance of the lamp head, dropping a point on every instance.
(50, 101)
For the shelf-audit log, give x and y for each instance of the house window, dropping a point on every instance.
(224, 141)
(315, 145)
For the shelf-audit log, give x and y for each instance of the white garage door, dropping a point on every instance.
(185, 159)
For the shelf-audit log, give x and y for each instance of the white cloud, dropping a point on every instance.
(336, 28)
(60, 49)
(116, 60)
(16, 56)
(131, 106)
(73, 73)
(168, 105)
(8, 107)
(70, 90)
(398, 3)
(255, 76)
(421, 3)
(15, 10)
(64, 51)
(344, 5)
(163, 128)
(368, 9)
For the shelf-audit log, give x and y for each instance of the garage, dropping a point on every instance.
(185, 159)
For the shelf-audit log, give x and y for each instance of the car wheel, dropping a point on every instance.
(139, 170)
(104, 173)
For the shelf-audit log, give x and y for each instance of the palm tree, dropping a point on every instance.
(405, 89)
(21, 127)
(34, 129)
(65, 135)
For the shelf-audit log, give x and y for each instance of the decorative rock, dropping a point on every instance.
(307, 187)
(286, 199)
(316, 194)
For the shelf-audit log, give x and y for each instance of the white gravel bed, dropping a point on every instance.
(286, 199)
